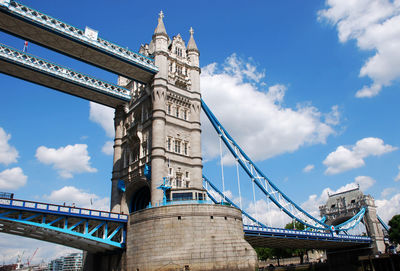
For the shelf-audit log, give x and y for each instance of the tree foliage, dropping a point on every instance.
(394, 231)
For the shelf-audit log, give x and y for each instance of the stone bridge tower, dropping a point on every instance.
(342, 206)
(158, 135)
(159, 131)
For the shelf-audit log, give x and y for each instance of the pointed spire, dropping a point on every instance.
(160, 29)
(192, 44)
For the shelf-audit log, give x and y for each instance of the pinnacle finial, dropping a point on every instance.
(160, 27)
(192, 44)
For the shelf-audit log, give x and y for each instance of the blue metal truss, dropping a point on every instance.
(43, 66)
(56, 26)
(269, 189)
(80, 228)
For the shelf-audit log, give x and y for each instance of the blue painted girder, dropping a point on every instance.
(89, 230)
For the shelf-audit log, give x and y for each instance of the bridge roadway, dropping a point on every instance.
(37, 70)
(284, 238)
(90, 230)
(32, 25)
(98, 231)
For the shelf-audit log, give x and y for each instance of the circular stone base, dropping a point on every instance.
(188, 237)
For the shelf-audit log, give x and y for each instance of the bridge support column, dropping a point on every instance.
(117, 161)
(191, 237)
(373, 227)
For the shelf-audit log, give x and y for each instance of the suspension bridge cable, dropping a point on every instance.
(222, 167)
(282, 201)
(238, 179)
(254, 199)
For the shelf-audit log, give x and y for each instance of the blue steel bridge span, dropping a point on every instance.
(100, 231)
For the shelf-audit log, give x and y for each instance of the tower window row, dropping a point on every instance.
(177, 146)
(177, 68)
(177, 111)
(178, 51)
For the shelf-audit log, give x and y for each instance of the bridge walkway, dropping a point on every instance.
(37, 70)
(29, 24)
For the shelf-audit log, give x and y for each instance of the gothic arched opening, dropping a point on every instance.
(141, 199)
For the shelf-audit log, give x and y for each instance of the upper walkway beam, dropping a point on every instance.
(37, 70)
(29, 24)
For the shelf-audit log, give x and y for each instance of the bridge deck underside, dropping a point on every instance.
(50, 81)
(53, 236)
(256, 240)
(53, 40)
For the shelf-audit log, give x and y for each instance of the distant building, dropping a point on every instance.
(71, 262)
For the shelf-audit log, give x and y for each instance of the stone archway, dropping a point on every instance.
(140, 199)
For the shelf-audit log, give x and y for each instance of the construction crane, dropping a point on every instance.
(33, 255)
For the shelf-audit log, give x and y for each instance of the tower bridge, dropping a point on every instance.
(189, 223)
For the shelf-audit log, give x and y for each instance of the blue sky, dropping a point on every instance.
(309, 89)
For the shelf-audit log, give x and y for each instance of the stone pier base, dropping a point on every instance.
(188, 237)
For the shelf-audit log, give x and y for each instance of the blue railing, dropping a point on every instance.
(178, 202)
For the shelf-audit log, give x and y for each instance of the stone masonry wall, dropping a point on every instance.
(188, 237)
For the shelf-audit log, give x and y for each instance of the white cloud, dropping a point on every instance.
(108, 148)
(346, 158)
(256, 119)
(8, 154)
(11, 179)
(333, 117)
(268, 214)
(67, 160)
(308, 168)
(387, 208)
(104, 116)
(375, 25)
(397, 178)
(388, 191)
(364, 182)
(72, 195)
(314, 201)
